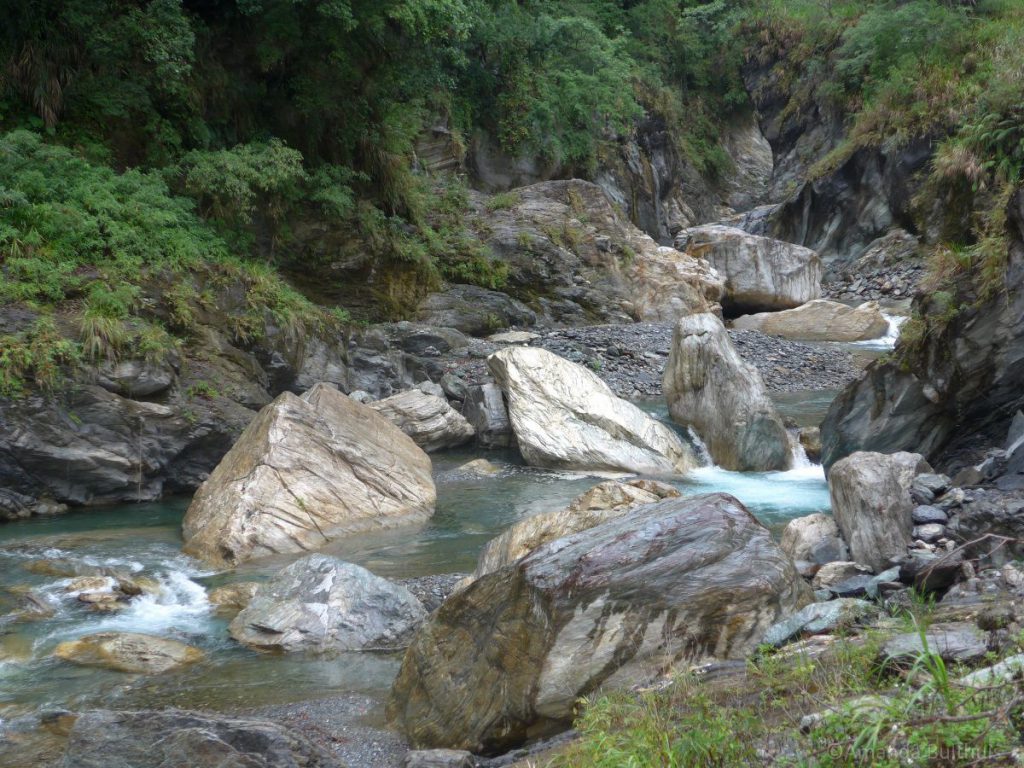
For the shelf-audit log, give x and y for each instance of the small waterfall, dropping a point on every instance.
(891, 335)
(796, 448)
(703, 454)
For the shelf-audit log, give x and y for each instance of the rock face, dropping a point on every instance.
(322, 604)
(962, 380)
(575, 258)
(128, 652)
(761, 274)
(427, 419)
(602, 502)
(711, 389)
(872, 505)
(564, 416)
(150, 739)
(813, 538)
(676, 582)
(474, 310)
(484, 409)
(306, 470)
(820, 320)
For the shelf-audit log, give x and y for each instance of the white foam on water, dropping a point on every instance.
(889, 340)
(800, 490)
(181, 605)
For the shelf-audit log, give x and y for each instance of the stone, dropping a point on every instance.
(454, 387)
(484, 409)
(428, 419)
(932, 483)
(814, 538)
(481, 467)
(565, 417)
(711, 389)
(954, 642)
(820, 320)
(819, 618)
(831, 574)
(474, 310)
(925, 514)
(1007, 670)
(172, 737)
(761, 274)
(128, 652)
(871, 503)
(602, 502)
(320, 604)
(678, 582)
(429, 387)
(810, 441)
(929, 532)
(135, 378)
(513, 337)
(306, 471)
(439, 758)
(233, 597)
(854, 586)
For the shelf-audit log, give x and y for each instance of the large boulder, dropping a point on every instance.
(321, 604)
(128, 652)
(814, 539)
(602, 502)
(172, 737)
(710, 388)
(761, 274)
(820, 320)
(427, 419)
(564, 416)
(669, 584)
(872, 506)
(305, 471)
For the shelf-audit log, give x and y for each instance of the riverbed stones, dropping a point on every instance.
(761, 274)
(306, 471)
(602, 502)
(677, 582)
(320, 604)
(814, 538)
(128, 652)
(711, 389)
(820, 320)
(162, 739)
(428, 419)
(871, 503)
(564, 417)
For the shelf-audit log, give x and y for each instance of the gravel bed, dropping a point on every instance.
(432, 590)
(631, 358)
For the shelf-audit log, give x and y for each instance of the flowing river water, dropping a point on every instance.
(40, 556)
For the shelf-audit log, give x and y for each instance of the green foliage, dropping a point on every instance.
(40, 357)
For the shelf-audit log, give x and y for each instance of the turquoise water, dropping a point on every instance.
(144, 540)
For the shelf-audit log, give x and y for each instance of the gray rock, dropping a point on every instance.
(925, 514)
(854, 586)
(149, 739)
(322, 604)
(819, 618)
(761, 274)
(931, 482)
(612, 606)
(430, 388)
(814, 538)
(929, 532)
(454, 387)
(136, 378)
(872, 506)
(474, 310)
(564, 416)
(929, 572)
(957, 642)
(1015, 434)
(439, 758)
(837, 572)
(305, 471)
(484, 408)
(885, 582)
(711, 389)
(428, 419)
(820, 320)
(1010, 668)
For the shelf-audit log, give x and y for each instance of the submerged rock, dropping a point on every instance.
(871, 504)
(304, 472)
(602, 502)
(427, 419)
(507, 658)
(233, 597)
(820, 320)
(761, 274)
(128, 652)
(565, 417)
(710, 388)
(173, 738)
(322, 604)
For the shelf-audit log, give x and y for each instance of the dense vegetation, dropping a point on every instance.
(144, 138)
